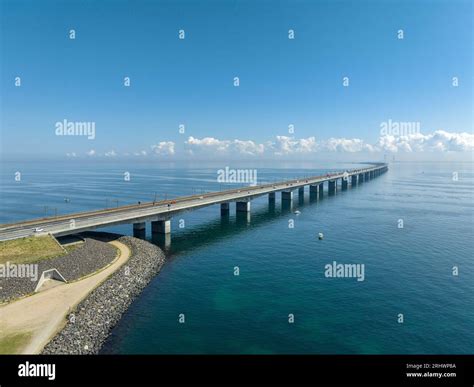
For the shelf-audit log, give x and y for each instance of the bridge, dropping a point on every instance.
(159, 213)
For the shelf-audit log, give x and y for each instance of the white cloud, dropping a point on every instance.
(165, 148)
(345, 145)
(289, 145)
(438, 141)
(207, 144)
(248, 147)
(210, 145)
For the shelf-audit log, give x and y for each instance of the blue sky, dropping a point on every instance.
(190, 81)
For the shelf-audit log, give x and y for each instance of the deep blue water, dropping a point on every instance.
(407, 270)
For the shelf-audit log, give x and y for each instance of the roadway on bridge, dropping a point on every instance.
(73, 223)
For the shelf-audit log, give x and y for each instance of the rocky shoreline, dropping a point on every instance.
(90, 323)
(91, 256)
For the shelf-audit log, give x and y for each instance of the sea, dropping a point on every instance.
(260, 283)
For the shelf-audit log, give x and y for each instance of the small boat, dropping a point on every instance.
(297, 212)
(320, 236)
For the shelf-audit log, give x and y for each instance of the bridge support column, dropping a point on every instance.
(332, 187)
(161, 226)
(271, 197)
(287, 195)
(242, 206)
(361, 178)
(225, 209)
(353, 180)
(162, 240)
(314, 192)
(139, 230)
(344, 183)
(301, 192)
(367, 176)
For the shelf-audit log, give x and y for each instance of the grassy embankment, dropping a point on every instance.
(30, 249)
(27, 250)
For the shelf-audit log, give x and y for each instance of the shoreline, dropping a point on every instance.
(89, 324)
(29, 323)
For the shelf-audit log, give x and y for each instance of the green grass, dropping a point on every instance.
(12, 344)
(30, 249)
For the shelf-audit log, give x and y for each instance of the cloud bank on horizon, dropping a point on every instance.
(439, 141)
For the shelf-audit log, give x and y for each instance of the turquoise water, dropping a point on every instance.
(407, 270)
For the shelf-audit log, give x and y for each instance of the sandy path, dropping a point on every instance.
(43, 314)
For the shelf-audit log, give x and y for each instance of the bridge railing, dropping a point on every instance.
(249, 189)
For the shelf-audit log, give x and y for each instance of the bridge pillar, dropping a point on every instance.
(225, 208)
(271, 197)
(344, 183)
(301, 192)
(161, 226)
(332, 187)
(162, 240)
(242, 206)
(353, 180)
(361, 178)
(313, 192)
(287, 195)
(139, 230)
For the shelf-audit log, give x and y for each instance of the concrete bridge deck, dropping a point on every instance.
(159, 213)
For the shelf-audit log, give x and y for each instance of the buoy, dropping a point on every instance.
(320, 236)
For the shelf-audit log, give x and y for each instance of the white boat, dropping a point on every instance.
(320, 236)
